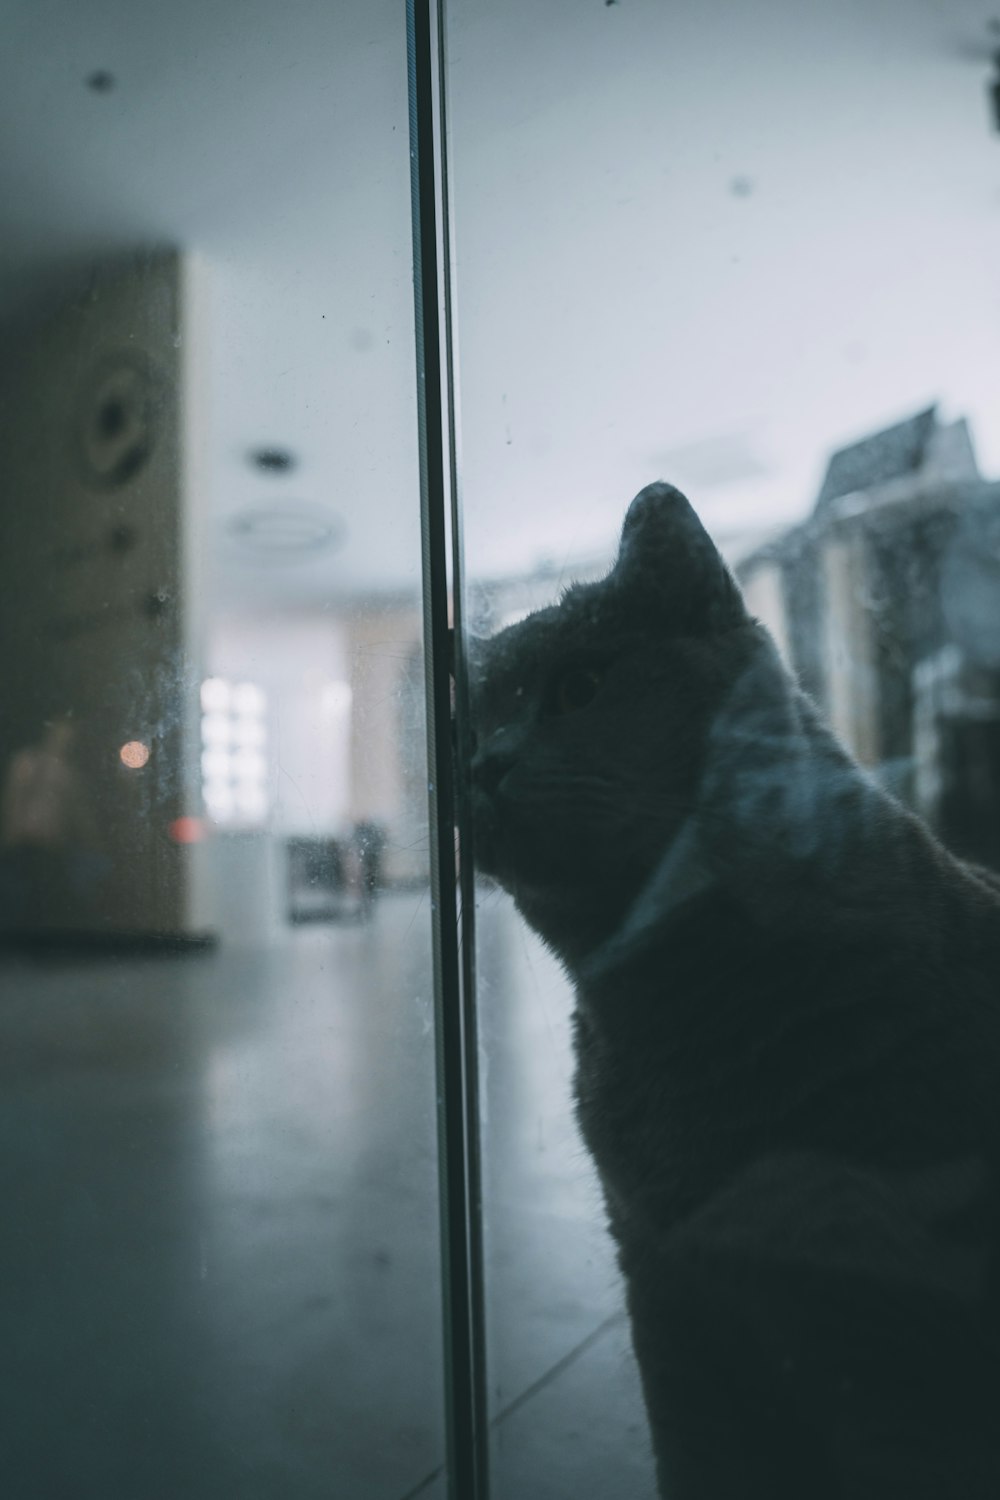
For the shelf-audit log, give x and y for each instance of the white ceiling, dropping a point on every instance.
(699, 241)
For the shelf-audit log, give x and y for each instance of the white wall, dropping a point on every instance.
(345, 719)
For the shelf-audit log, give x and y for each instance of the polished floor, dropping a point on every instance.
(219, 1268)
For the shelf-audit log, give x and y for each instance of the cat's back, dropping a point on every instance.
(724, 1040)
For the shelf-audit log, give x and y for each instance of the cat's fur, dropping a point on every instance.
(787, 1033)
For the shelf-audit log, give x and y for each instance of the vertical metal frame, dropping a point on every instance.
(448, 756)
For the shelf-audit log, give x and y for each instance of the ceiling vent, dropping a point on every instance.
(285, 533)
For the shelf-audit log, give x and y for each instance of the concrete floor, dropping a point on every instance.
(218, 1255)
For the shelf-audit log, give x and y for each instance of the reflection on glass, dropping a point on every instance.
(219, 1269)
(690, 244)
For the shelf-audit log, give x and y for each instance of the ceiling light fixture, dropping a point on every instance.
(287, 531)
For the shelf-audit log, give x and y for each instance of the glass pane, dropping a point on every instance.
(219, 1255)
(751, 250)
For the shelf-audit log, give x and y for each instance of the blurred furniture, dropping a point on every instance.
(319, 883)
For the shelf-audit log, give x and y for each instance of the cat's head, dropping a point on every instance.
(590, 721)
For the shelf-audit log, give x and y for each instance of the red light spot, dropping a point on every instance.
(187, 830)
(134, 755)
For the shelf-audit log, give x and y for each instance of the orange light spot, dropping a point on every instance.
(134, 754)
(187, 830)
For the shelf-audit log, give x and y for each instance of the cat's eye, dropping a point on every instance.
(575, 689)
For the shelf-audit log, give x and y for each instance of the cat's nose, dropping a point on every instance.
(491, 762)
(472, 740)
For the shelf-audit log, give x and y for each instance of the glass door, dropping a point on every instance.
(219, 1261)
(750, 250)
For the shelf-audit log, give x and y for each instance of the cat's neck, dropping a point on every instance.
(680, 877)
(595, 932)
(793, 835)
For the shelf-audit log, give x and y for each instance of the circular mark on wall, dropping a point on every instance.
(285, 532)
(118, 419)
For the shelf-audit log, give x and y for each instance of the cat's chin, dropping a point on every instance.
(487, 835)
(568, 923)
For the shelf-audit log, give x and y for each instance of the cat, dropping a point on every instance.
(787, 1034)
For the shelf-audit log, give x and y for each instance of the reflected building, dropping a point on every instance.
(886, 603)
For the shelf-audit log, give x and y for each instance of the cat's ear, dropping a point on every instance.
(474, 649)
(668, 561)
(472, 652)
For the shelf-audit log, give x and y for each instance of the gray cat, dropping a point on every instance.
(787, 1033)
